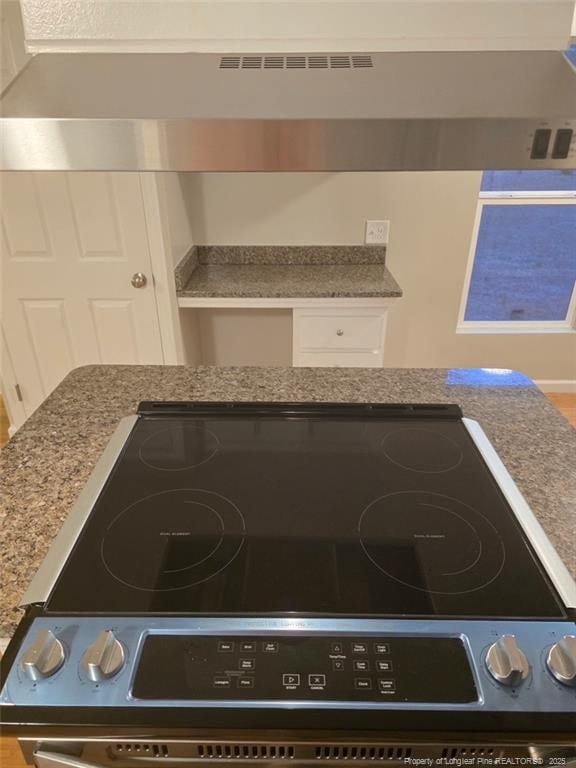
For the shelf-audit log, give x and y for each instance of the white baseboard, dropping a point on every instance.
(12, 431)
(557, 385)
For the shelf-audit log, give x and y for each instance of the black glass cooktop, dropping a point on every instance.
(321, 510)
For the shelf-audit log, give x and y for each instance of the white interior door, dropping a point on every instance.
(71, 243)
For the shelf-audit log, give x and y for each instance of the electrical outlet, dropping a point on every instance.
(377, 232)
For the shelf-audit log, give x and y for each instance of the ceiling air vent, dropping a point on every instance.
(312, 61)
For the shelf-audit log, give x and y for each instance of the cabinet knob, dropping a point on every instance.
(139, 280)
(339, 332)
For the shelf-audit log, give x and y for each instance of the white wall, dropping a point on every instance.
(431, 215)
(306, 25)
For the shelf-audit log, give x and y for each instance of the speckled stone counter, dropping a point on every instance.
(294, 281)
(285, 272)
(45, 465)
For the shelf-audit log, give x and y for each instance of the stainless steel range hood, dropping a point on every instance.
(205, 112)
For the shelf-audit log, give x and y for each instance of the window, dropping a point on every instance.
(522, 271)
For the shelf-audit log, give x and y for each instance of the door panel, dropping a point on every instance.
(49, 339)
(24, 225)
(70, 245)
(115, 331)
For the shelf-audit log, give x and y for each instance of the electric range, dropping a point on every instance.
(244, 582)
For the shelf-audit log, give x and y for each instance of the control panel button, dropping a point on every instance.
(506, 662)
(270, 647)
(247, 664)
(387, 685)
(363, 683)
(384, 666)
(245, 682)
(359, 648)
(541, 143)
(44, 657)
(290, 680)
(104, 658)
(226, 646)
(338, 665)
(561, 660)
(381, 648)
(361, 665)
(221, 681)
(337, 648)
(248, 647)
(316, 681)
(562, 143)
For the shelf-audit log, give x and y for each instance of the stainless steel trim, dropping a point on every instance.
(41, 585)
(551, 561)
(182, 112)
(56, 760)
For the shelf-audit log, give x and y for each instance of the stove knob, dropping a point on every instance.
(506, 662)
(44, 657)
(561, 660)
(104, 658)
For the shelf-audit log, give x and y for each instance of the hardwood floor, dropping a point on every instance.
(565, 403)
(4, 424)
(10, 755)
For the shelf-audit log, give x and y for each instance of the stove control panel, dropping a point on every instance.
(277, 662)
(305, 668)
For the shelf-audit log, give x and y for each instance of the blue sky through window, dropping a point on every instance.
(528, 181)
(525, 263)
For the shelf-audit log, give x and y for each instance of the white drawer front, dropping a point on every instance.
(358, 331)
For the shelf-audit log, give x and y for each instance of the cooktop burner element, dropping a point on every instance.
(422, 450)
(315, 510)
(431, 542)
(173, 540)
(178, 447)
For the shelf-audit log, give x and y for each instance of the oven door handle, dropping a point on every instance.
(44, 759)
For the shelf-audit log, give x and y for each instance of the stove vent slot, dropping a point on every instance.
(142, 749)
(355, 752)
(471, 752)
(313, 61)
(217, 751)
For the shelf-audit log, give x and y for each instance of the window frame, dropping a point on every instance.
(568, 325)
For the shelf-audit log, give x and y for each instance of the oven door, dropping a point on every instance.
(291, 748)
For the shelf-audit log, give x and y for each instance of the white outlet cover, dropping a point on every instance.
(377, 231)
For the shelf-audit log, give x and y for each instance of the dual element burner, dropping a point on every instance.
(431, 542)
(173, 540)
(178, 538)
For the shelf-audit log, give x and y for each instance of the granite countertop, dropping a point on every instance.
(47, 462)
(285, 272)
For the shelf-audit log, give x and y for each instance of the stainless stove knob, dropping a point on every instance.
(104, 658)
(561, 660)
(44, 657)
(506, 662)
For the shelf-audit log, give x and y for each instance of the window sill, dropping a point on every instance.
(509, 327)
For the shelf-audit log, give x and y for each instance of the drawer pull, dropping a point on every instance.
(339, 332)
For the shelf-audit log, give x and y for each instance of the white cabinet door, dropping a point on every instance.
(70, 245)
